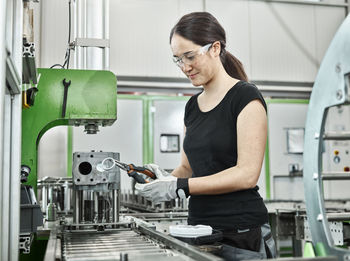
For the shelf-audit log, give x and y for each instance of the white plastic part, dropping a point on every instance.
(190, 231)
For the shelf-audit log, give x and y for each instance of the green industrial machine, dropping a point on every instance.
(67, 97)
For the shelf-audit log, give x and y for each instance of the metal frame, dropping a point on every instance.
(276, 89)
(3, 211)
(10, 126)
(303, 2)
(12, 77)
(331, 89)
(91, 34)
(2, 95)
(91, 42)
(51, 248)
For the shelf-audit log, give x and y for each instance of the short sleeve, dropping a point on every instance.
(246, 93)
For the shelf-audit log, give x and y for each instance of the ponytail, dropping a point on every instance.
(233, 66)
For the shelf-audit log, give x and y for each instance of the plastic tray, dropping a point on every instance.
(203, 240)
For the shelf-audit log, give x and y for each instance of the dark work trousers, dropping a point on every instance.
(254, 243)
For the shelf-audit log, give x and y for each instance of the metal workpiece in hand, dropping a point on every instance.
(132, 170)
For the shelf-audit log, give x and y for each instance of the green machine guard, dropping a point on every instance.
(91, 101)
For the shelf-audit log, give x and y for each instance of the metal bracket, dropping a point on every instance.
(91, 42)
(303, 230)
(25, 241)
(29, 74)
(285, 222)
(347, 87)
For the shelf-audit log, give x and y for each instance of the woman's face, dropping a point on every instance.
(194, 60)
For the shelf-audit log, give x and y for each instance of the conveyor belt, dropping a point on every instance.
(112, 246)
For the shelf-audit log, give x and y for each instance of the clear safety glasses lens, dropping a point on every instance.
(189, 58)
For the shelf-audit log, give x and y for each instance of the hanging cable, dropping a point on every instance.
(56, 65)
(67, 54)
(66, 62)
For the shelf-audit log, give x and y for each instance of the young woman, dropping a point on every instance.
(224, 144)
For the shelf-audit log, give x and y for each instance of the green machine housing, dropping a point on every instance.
(91, 102)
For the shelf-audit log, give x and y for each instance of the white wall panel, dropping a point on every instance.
(283, 42)
(185, 7)
(288, 188)
(234, 17)
(54, 32)
(327, 22)
(275, 41)
(139, 35)
(52, 153)
(282, 116)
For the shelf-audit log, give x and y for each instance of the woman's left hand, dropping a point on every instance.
(159, 190)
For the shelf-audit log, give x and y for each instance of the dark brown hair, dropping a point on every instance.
(202, 28)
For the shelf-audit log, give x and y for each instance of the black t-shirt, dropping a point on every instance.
(211, 146)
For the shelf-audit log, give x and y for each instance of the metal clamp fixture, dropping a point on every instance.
(96, 193)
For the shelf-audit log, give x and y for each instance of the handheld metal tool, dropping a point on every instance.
(65, 94)
(132, 170)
